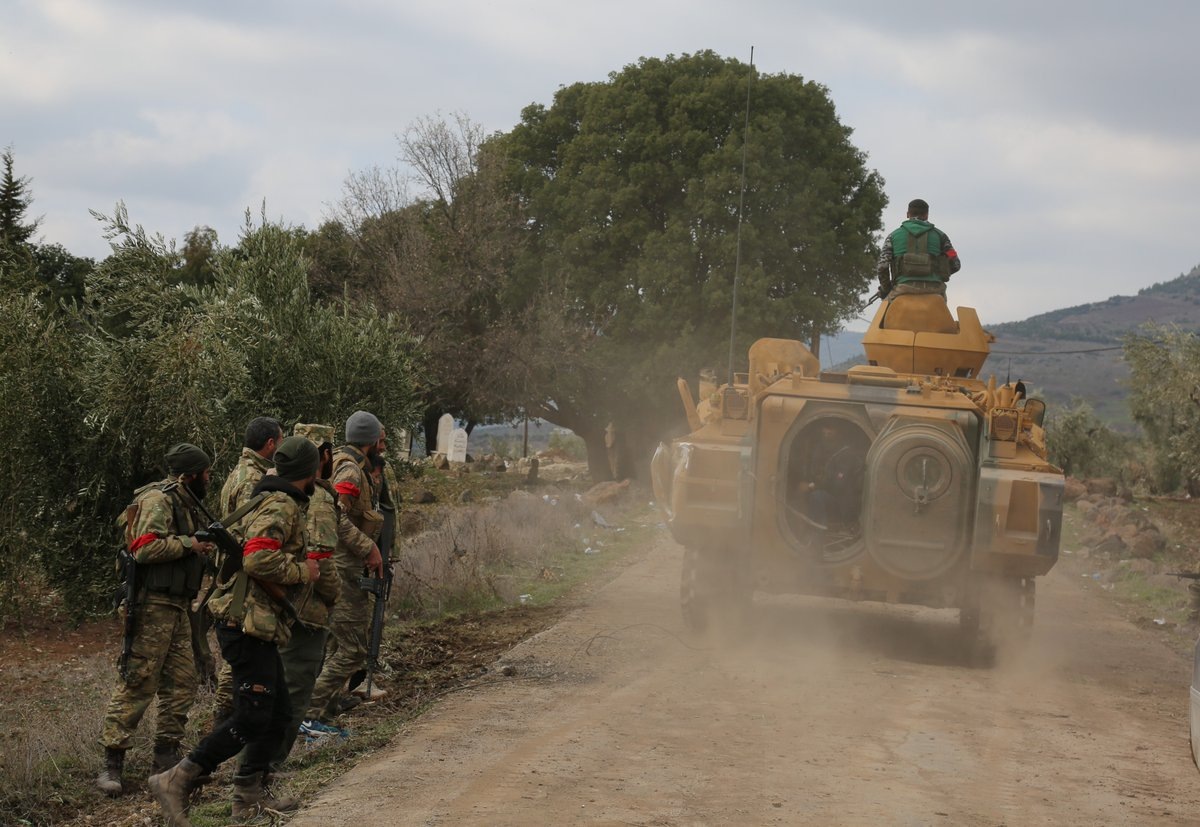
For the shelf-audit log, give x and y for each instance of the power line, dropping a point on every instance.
(1054, 352)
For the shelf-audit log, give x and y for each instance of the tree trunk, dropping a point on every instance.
(429, 426)
(597, 454)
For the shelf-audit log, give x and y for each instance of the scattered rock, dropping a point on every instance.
(1085, 507)
(605, 492)
(1073, 490)
(424, 497)
(441, 462)
(1111, 544)
(466, 496)
(1147, 543)
(408, 522)
(1102, 485)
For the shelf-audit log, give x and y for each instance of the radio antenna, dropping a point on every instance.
(737, 260)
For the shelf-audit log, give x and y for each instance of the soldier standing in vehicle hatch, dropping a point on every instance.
(917, 258)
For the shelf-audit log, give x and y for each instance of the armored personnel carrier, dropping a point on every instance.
(909, 479)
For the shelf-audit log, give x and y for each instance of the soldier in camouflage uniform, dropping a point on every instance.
(347, 651)
(263, 436)
(251, 626)
(160, 528)
(327, 526)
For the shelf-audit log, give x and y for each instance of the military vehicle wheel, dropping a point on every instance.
(712, 591)
(999, 612)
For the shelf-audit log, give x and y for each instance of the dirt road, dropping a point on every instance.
(829, 713)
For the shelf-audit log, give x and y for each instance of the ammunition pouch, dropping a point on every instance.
(918, 264)
(179, 578)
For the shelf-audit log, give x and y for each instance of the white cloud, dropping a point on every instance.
(1040, 155)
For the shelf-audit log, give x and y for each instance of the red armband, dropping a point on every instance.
(347, 488)
(320, 555)
(144, 540)
(260, 543)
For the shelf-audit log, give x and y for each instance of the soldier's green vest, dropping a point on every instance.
(917, 253)
(180, 578)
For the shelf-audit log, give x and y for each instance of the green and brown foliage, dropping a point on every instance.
(1165, 401)
(437, 248)
(630, 189)
(1083, 446)
(94, 394)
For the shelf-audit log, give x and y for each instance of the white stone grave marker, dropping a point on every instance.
(445, 429)
(458, 446)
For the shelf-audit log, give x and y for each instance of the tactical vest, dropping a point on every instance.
(180, 578)
(368, 520)
(914, 261)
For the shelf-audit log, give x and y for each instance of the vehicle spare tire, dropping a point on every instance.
(919, 493)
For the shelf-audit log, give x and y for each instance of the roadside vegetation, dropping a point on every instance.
(472, 581)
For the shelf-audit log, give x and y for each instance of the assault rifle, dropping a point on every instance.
(380, 586)
(129, 569)
(231, 556)
(1186, 575)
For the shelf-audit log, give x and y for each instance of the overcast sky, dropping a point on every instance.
(1057, 142)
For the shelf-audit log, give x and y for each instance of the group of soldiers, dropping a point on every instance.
(290, 616)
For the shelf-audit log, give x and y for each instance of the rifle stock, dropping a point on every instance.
(129, 567)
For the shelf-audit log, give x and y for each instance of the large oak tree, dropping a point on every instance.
(631, 187)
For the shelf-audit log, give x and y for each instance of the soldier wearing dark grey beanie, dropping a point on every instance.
(363, 428)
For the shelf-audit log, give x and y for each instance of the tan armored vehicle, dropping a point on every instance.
(906, 480)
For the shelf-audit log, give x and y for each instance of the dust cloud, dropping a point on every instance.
(822, 712)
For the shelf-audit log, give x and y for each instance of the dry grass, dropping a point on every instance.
(470, 558)
(478, 556)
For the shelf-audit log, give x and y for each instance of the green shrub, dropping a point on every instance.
(570, 444)
(92, 397)
(1083, 446)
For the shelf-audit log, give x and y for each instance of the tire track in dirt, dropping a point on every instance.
(827, 712)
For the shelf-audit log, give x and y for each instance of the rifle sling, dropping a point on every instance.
(231, 519)
(241, 583)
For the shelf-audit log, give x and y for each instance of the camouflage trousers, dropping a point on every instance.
(223, 696)
(162, 665)
(302, 657)
(346, 652)
(918, 288)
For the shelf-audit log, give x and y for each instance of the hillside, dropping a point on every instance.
(1033, 349)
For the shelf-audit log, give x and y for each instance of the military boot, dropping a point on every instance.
(270, 801)
(251, 798)
(109, 779)
(171, 790)
(166, 755)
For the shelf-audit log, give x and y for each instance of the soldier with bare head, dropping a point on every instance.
(917, 258)
(252, 623)
(263, 436)
(160, 527)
